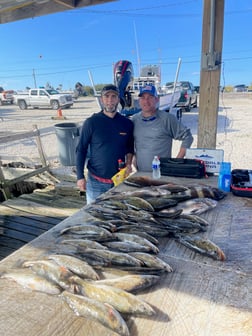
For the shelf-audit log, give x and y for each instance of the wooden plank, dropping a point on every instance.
(35, 208)
(20, 227)
(54, 200)
(10, 242)
(28, 221)
(19, 235)
(6, 209)
(6, 251)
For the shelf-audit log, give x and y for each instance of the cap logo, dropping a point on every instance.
(148, 89)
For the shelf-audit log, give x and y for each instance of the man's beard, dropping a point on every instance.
(110, 109)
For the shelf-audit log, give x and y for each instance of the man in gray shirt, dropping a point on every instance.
(154, 131)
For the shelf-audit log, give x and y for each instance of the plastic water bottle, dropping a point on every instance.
(156, 168)
(224, 180)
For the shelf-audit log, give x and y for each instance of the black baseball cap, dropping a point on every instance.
(110, 87)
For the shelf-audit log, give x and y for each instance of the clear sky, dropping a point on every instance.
(61, 48)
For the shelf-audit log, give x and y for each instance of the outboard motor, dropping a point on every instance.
(79, 90)
(123, 76)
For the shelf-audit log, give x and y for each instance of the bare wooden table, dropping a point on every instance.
(201, 297)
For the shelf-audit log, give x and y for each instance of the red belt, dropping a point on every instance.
(101, 179)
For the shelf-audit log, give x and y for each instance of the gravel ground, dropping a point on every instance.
(234, 134)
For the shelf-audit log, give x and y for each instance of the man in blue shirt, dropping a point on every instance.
(107, 137)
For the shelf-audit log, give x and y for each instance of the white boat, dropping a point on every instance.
(151, 75)
(130, 87)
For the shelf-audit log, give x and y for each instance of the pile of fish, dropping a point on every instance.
(78, 284)
(122, 232)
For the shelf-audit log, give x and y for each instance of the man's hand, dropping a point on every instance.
(81, 184)
(128, 170)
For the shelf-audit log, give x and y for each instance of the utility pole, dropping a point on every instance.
(212, 37)
(34, 78)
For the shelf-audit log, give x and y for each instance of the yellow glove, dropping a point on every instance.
(119, 177)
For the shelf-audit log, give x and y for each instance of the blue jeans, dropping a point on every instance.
(95, 188)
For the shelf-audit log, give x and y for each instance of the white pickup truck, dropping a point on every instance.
(6, 96)
(43, 98)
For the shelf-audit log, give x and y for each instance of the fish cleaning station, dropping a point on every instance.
(187, 292)
(151, 257)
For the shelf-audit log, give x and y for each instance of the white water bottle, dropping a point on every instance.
(156, 168)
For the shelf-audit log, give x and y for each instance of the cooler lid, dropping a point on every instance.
(211, 157)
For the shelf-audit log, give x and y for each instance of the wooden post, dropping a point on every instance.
(212, 36)
(5, 190)
(39, 144)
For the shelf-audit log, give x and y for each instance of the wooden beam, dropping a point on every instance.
(68, 3)
(12, 11)
(4, 183)
(7, 183)
(18, 136)
(212, 37)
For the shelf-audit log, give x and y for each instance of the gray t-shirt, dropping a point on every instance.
(154, 135)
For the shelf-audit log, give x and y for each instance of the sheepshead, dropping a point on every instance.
(131, 283)
(152, 261)
(137, 239)
(159, 203)
(28, 279)
(201, 191)
(122, 301)
(203, 246)
(112, 258)
(97, 311)
(75, 265)
(50, 270)
(87, 231)
(195, 206)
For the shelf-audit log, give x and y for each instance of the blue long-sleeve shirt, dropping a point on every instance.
(106, 140)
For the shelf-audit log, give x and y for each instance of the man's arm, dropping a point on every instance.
(81, 154)
(128, 163)
(181, 153)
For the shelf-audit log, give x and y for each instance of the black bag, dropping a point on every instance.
(182, 167)
(241, 184)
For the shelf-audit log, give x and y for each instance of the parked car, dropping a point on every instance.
(6, 96)
(188, 97)
(36, 98)
(240, 88)
(197, 88)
